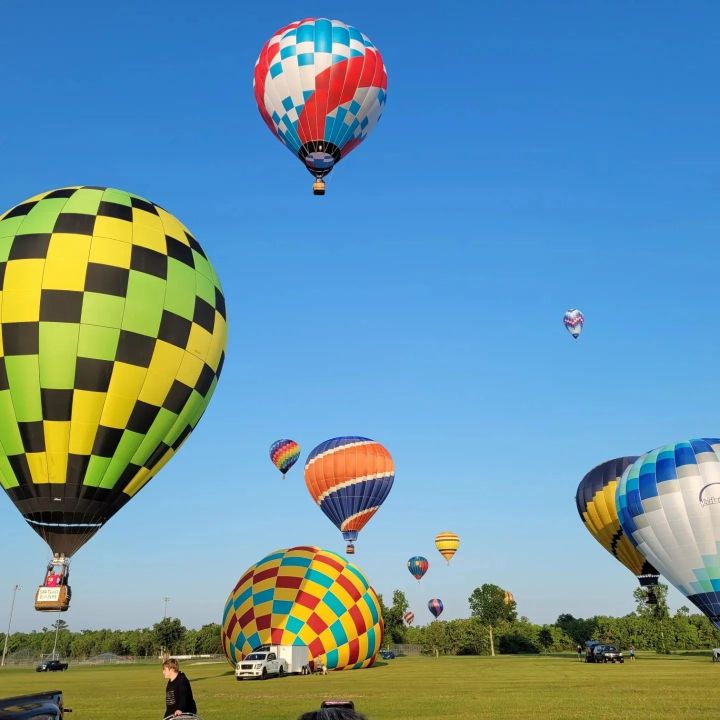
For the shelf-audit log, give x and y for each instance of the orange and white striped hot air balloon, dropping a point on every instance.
(349, 478)
(447, 543)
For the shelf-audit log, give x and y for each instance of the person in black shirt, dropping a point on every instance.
(178, 693)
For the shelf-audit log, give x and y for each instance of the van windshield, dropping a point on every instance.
(256, 656)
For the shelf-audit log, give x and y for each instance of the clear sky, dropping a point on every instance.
(532, 157)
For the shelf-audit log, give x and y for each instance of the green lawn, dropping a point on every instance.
(467, 688)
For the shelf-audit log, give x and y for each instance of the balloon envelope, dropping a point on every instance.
(574, 321)
(418, 566)
(320, 86)
(284, 454)
(447, 544)
(409, 617)
(349, 478)
(595, 500)
(113, 335)
(668, 502)
(435, 606)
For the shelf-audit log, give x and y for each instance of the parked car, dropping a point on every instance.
(387, 654)
(606, 654)
(39, 706)
(51, 666)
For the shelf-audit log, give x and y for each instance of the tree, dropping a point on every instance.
(545, 638)
(169, 634)
(393, 617)
(488, 603)
(651, 603)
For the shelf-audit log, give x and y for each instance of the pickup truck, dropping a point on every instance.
(51, 666)
(39, 706)
(261, 664)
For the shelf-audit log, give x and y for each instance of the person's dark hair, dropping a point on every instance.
(332, 713)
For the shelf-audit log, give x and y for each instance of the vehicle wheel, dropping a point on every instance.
(622, 660)
(264, 674)
(238, 679)
(281, 671)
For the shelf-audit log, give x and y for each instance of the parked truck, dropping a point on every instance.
(269, 660)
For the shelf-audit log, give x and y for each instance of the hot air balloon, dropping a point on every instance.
(447, 543)
(668, 503)
(595, 499)
(284, 454)
(574, 321)
(409, 617)
(320, 86)
(113, 337)
(349, 478)
(435, 606)
(509, 597)
(418, 566)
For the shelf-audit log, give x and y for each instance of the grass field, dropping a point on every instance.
(461, 688)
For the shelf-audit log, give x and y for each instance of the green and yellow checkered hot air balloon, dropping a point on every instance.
(112, 340)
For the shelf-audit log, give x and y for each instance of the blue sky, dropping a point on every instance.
(533, 156)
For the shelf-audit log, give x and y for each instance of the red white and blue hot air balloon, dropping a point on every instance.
(284, 454)
(418, 566)
(320, 86)
(349, 478)
(435, 606)
(574, 321)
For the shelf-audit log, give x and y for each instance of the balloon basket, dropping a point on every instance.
(319, 187)
(350, 549)
(52, 599)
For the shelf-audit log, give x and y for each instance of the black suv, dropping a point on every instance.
(51, 666)
(605, 654)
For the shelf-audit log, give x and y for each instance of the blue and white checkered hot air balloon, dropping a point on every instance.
(668, 503)
(320, 86)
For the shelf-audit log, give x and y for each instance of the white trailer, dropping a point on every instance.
(296, 656)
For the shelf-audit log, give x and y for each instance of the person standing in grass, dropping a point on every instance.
(178, 693)
(580, 652)
(632, 652)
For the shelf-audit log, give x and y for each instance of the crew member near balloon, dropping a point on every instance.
(320, 86)
(179, 698)
(113, 338)
(349, 478)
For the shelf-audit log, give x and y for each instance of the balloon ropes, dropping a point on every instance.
(320, 86)
(595, 500)
(447, 544)
(435, 606)
(668, 502)
(418, 566)
(574, 321)
(284, 454)
(349, 478)
(113, 329)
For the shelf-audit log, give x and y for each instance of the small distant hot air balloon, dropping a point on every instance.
(409, 617)
(418, 566)
(435, 606)
(574, 321)
(447, 543)
(349, 478)
(284, 454)
(509, 597)
(320, 86)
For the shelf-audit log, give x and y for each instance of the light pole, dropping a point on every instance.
(166, 599)
(7, 634)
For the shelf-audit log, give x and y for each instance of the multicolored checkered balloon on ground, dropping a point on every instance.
(305, 596)
(284, 454)
(113, 337)
(668, 503)
(349, 478)
(320, 86)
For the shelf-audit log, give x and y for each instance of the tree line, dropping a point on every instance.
(166, 636)
(493, 626)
